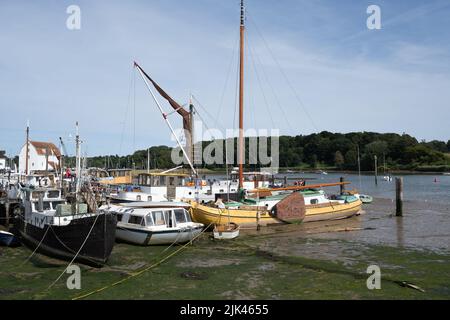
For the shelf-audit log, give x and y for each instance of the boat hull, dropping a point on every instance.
(226, 232)
(147, 237)
(248, 218)
(7, 239)
(63, 242)
(332, 211)
(244, 218)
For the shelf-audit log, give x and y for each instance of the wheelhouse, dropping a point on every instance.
(169, 218)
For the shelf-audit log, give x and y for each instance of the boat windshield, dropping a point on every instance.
(45, 205)
(158, 218)
(149, 219)
(181, 216)
(53, 194)
(55, 203)
(169, 219)
(136, 220)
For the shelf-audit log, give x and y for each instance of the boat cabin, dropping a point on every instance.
(169, 181)
(161, 179)
(253, 179)
(167, 217)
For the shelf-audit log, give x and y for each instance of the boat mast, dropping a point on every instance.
(27, 148)
(190, 138)
(241, 99)
(78, 162)
(148, 160)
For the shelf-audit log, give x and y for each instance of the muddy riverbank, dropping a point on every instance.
(325, 260)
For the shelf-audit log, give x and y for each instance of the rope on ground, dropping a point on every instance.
(79, 250)
(40, 242)
(73, 251)
(133, 275)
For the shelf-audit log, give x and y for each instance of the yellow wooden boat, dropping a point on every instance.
(247, 216)
(291, 209)
(331, 211)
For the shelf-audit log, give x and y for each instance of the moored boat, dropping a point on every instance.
(305, 206)
(8, 239)
(52, 227)
(365, 198)
(155, 225)
(291, 209)
(226, 231)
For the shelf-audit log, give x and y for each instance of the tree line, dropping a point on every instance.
(315, 151)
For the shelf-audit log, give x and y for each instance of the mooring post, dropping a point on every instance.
(341, 186)
(399, 197)
(376, 170)
(258, 217)
(285, 181)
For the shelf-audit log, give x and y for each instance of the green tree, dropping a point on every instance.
(339, 159)
(351, 159)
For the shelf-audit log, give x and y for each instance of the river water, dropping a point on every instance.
(425, 223)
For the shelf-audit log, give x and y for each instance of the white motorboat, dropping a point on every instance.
(155, 225)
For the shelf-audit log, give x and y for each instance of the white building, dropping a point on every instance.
(41, 156)
(2, 163)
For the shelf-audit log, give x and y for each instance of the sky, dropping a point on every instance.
(310, 66)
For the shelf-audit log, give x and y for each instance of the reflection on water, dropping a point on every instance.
(421, 227)
(399, 223)
(435, 188)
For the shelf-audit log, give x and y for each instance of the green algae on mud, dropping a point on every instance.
(250, 267)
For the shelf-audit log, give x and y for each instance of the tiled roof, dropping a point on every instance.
(42, 146)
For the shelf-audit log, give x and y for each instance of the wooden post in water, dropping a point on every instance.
(342, 186)
(376, 170)
(399, 197)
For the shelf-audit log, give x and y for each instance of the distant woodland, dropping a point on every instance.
(325, 150)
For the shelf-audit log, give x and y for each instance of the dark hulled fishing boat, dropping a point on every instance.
(65, 231)
(48, 224)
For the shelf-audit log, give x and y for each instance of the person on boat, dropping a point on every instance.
(219, 203)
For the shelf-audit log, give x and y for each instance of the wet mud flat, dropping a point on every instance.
(326, 260)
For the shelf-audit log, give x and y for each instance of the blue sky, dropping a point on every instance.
(310, 66)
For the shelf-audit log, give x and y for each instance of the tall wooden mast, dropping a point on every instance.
(241, 99)
(27, 148)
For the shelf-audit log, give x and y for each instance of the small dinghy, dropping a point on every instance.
(226, 231)
(365, 198)
(7, 239)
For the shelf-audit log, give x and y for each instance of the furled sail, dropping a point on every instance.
(180, 110)
(186, 115)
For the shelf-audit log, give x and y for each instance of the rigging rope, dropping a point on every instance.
(277, 100)
(133, 275)
(282, 72)
(40, 242)
(226, 81)
(126, 110)
(260, 85)
(81, 247)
